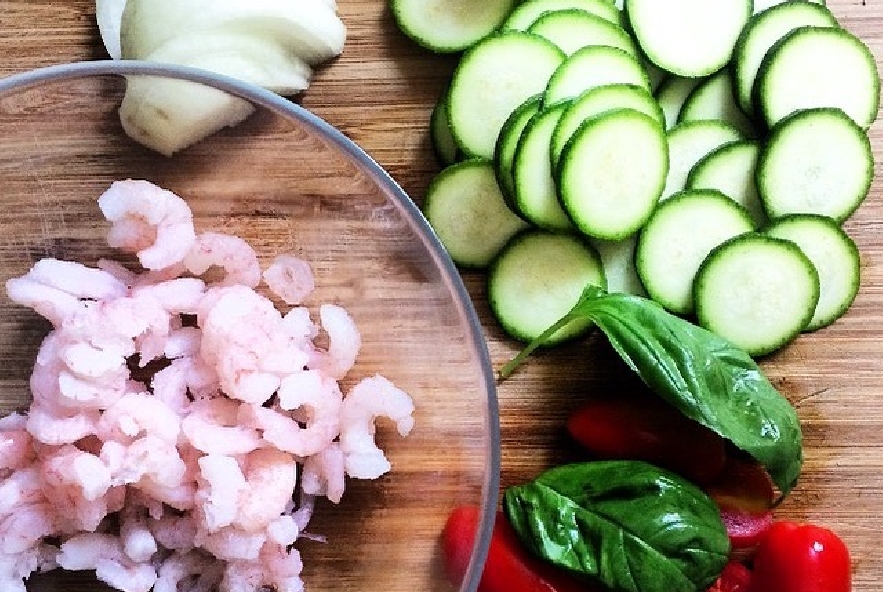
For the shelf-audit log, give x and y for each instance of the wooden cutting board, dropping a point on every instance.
(380, 93)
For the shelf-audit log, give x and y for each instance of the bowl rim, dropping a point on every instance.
(286, 108)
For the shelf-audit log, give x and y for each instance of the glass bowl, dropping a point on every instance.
(286, 181)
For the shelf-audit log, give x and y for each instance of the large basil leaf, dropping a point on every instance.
(706, 377)
(628, 524)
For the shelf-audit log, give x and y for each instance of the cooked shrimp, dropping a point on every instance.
(271, 476)
(221, 483)
(231, 544)
(77, 279)
(50, 303)
(290, 278)
(323, 473)
(212, 427)
(176, 296)
(25, 527)
(104, 553)
(138, 542)
(371, 398)
(55, 430)
(344, 341)
(138, 414)
(16, 444)
(243, 341)
(152, 222)
(230, 253)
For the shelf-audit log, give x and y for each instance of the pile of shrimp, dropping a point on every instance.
(181, 428)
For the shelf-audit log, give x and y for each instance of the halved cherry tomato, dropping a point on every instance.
(795, 557)
(639, 426)
(745, 529)
(734, 578)
(745, 495)
(510, 567)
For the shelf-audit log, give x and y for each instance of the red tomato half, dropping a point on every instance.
(795, 557)
(734, 578)
(635, 426)
(510, 567)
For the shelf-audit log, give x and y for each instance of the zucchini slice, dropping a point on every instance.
(596, 101)
(761, 5)
(526, 13)
(443, 144)
(714, 100)
(816, 161)
(574, 29)
(818, 67)
(447, 26)
(678, 237)
(466, 209)
(593, 66)
(536, 195)
(731, 170)
(672, 94)
(690, 141)
(688, 37)
(762, 32)
(611, 173)
(507, 144)
(492, 78)
(756, 291)
(834, 255)
(536, 280)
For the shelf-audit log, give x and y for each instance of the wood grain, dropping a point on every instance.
(380, 93)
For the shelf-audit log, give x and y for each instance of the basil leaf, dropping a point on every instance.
(628, 524)
(707, 378)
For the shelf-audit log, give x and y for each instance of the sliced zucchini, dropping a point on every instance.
(671, 95)
(756, 291)
(611, 173)
(618, 259)
(536, 280)
(447, 26)
(762, 32)
(834, 255)
(761, 5)
(731, 170)
(593, 66)
(526, 13)
(507, 144)
(688, 37)
(596, 101)
(464, 206)
(443, 144)
(714, 100)
(687, 143)
(536, 196)
(678, 237)
(816, 161)
(818, 67)
(492, 78)
(574, 29)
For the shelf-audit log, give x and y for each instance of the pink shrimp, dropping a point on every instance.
(324, 473)
(152, 222)
(221, 483)
(138, 414)
(344, 342)
(371, 398)
(211, 427)
(290, 278)
(230, 253)
(16, 444)
(270, 476)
